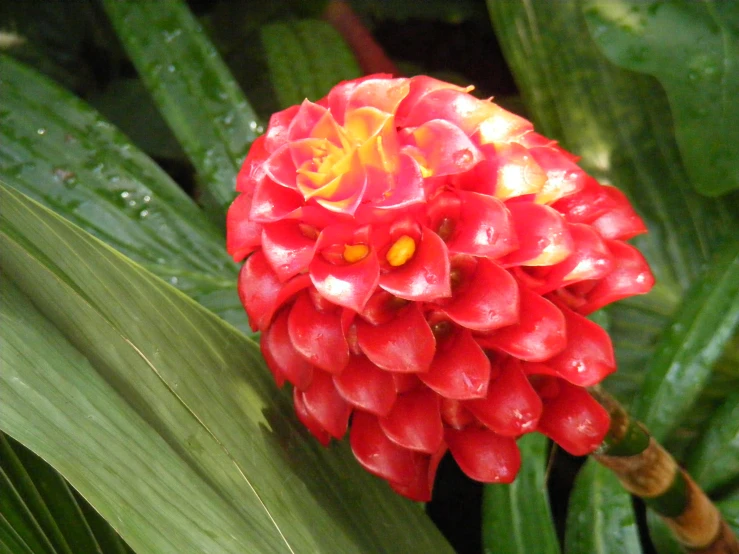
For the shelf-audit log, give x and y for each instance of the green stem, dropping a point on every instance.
(648, 471)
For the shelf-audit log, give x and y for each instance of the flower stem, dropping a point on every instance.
(370, 55)
(648, 471)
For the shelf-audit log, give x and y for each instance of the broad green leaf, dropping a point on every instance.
(60, 152)
(163, 416)
(516, 518)
(455, 12)
(48, 503)
(729, 508)
(683, 358)
(692, 48)
(600, 516)
(714, 462)
(305, 59)
(620, 123)
(662, 537)
(193, 88)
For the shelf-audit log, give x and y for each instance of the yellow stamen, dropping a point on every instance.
(401, 251)
(355, 252)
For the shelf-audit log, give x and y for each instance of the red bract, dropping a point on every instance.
(420, 263)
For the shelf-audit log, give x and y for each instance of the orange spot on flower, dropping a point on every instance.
(401, 251)
(355, 252)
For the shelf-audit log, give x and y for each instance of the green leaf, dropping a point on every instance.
(46, 502)
(662, 537)
(163, 416)
(305, 59)
(620, 123)
(60, 152)
(193, 88)
(600, 517)
(729, 508)
(517, 518)
(682, 361)
(714, 462)
(692, 48)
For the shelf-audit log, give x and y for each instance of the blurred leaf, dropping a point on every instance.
(662, 537)
(164, 417)
(683, 358)
(516, 518)
(60, 152)
(714, 462)
(729, 508)
(45, 502)
(305, 59)
(600, 516)
(620, 123)
(193, 88)
(693, 49)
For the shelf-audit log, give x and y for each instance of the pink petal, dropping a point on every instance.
(620, 222)
(484, 455)
(280, 167)
(348, 285)
(305, 120)
(630, 276)
(511, 407)
(420, 86)
(379, 455)
(454, 413)
(366, 386)
(383, 94)
(485, 227)
(445, 148)
(588, 357)
(542, 234)
(287, 248)
(405, 344)
(324, 403)
(258, 288)
(415, 421)
(460, 369)
(338, 98)
(539, 334)
(273, 202)
(281, 356)
(252, 170)
(564, 177)
(318, 336)
(486, 299)
(279, 123)
(586, 205)
(590, 259)
(243, 236)
(425, 276)
(574, 420)
(420, 489)
(308, 420)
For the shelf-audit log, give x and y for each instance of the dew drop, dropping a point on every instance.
(463, 157)
(143, 214)
(41, 131)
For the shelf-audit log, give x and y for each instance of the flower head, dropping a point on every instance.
(420, 263)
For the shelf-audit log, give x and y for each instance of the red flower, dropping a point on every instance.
(420, 263)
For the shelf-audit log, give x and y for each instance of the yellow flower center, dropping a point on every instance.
(355, 252)
(401, 251)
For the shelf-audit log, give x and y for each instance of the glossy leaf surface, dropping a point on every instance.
(692, 48)
(109, 359)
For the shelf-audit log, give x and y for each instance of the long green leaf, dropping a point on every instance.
(729, 508)
(682, 362)
(305, 59)
(517, 518)
(193, 88)
(48, 500)
(714, 462)
(662, 537)
(600, 517)
(164, 417)
(60, 152)
(693, 49)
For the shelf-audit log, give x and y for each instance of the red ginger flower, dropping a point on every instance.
(420, 261)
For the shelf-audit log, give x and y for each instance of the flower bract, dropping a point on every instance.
(420, 264)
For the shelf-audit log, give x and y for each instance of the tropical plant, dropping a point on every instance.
(136, 410)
